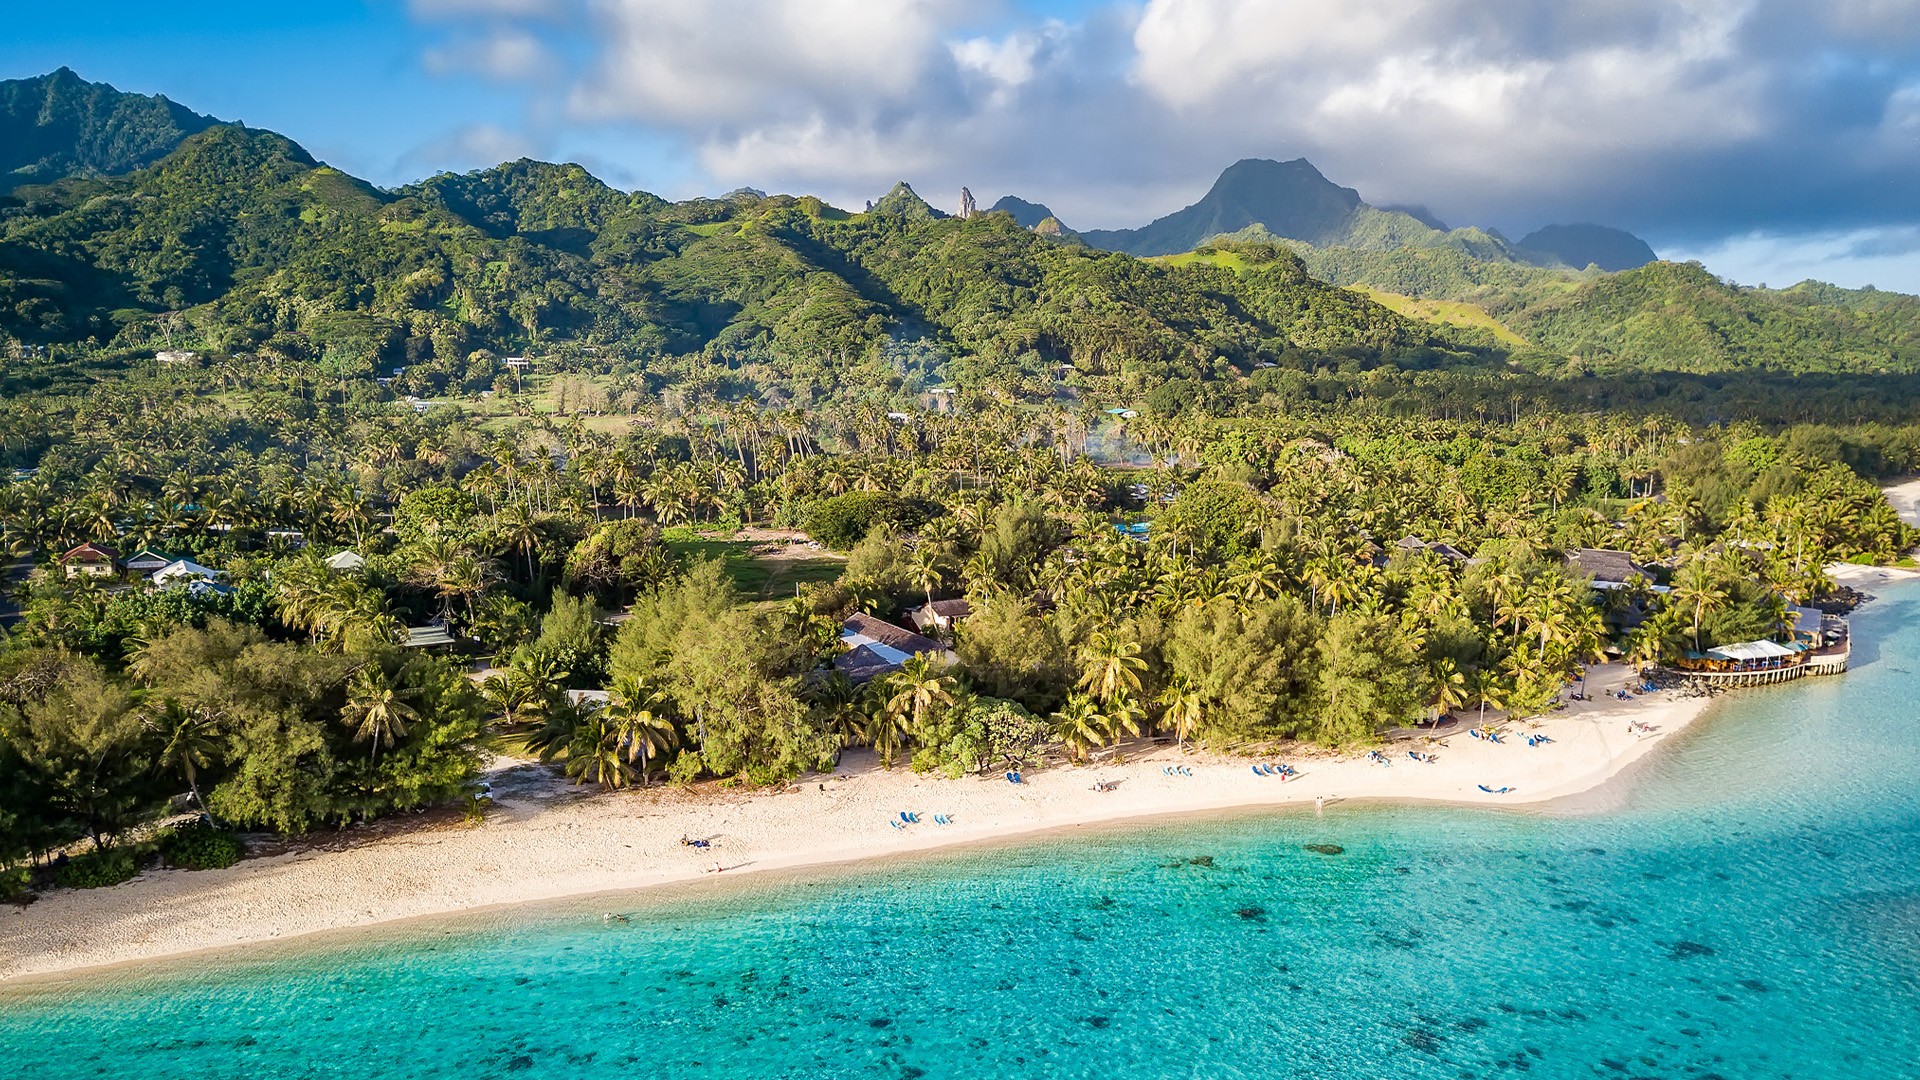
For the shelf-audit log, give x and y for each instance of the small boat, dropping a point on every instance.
(1495, 791)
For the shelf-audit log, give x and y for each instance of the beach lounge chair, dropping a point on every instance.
(896, 823)
(1015, 778)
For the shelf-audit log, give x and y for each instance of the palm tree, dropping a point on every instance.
(1449, 687)
(522, 695)
(643, 727)
(593, 750)
(377, 710)
(1696, 588)
(1184, 706)
(190, 738)
(1491, 689)
(1080, 725)
(907, 695)
(929, 567)
(467, 577)
(1113, 666)
(838, 702)
(520, 531)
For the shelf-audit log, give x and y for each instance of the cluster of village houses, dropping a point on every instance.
(102, 563)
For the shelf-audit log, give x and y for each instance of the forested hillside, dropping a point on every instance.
(240, 241)
(60, 125)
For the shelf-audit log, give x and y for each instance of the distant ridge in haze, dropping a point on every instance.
(1025, 214)
(1259, 200)
(1290, 198)
(58, 125)
(1582, 245)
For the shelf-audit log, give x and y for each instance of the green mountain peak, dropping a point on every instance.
(903, 202)
(57, 125)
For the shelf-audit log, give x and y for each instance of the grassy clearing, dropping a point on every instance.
(761, 577)
(712, 228)
(1230, 260)
(1451, 312)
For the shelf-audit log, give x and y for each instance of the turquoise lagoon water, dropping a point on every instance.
(1750, 909)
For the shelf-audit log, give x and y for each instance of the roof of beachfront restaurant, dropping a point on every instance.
(1750, 650)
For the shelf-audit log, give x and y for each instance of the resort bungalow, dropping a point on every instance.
(1609, 569)
(292, 538)
(344, 562)
(1444, 550)
(146, 561)
(181, 571)
(91, 560)
(876, 647)
(432, 635)
(941, 615)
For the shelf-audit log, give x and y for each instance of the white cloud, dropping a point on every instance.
(755, 61)
(1008, 61)
(506, 55)
(1451, 84)
(1683, 118)
(476, 146)
(815, 148)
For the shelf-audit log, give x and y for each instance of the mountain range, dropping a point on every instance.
(160, 225)
(1257, 199)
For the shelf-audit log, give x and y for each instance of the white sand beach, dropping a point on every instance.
(1905, 498)
(546, 840)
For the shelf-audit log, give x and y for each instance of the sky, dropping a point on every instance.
(1774, 140)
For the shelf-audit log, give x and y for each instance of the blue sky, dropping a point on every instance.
(1774, 140)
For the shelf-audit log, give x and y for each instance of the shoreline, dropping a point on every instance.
(548, 843)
